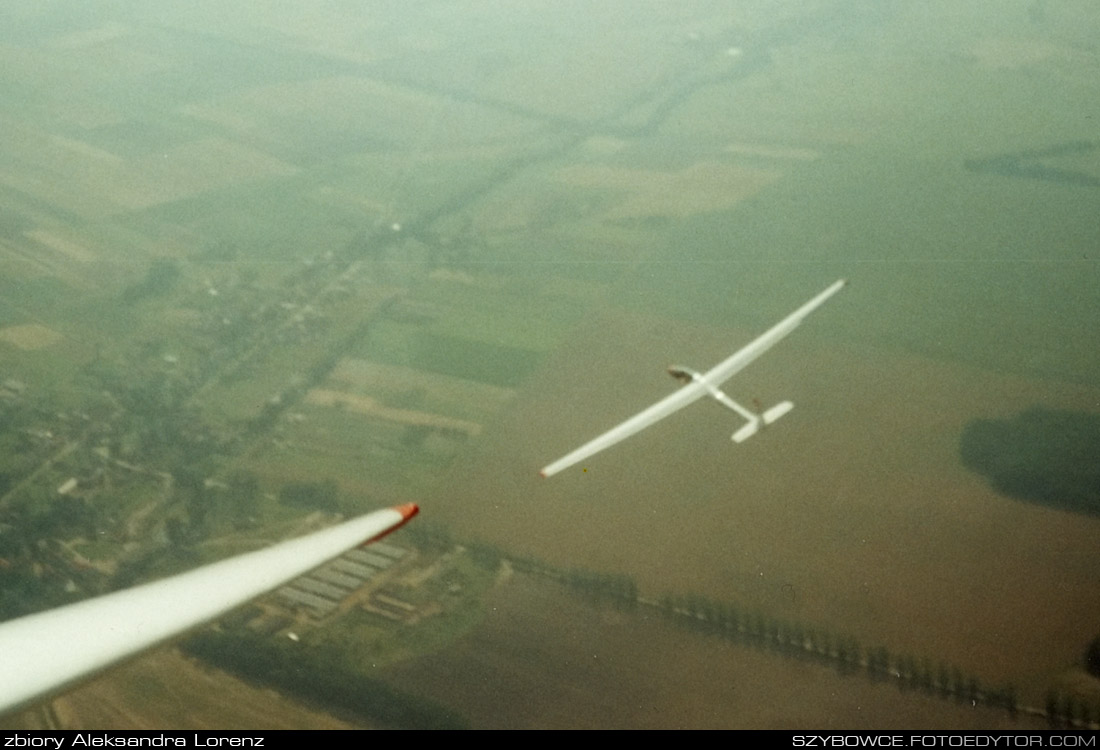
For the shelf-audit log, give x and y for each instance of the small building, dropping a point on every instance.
(358, 570)
(364, 557)
(319, 605)
(320, 588)
(387, 549)
(336, 578)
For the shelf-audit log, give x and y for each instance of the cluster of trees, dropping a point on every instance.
(323, 495)
(615, 588)
(21, 451)
(35, 569)
(1092, 657)
(162, 275)
(432, 536)
(1045, 456)
(203, 507)
(37, 518)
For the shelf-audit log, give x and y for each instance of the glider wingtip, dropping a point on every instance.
(407, 511)
(543, 474)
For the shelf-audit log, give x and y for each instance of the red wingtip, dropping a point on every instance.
(408, 510)
(542, 474)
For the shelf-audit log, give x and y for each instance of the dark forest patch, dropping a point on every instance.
(1044, 456)
(1029, 165)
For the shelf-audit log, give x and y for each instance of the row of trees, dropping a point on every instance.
(1066, 710)
(794, 639)
(617, 589)
(841, 651)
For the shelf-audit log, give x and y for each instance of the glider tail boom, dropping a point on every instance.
(754, 421)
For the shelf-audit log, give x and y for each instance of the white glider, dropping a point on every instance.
(43, 653)
(705, 384)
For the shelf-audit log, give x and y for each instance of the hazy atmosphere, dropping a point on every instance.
(264, 269)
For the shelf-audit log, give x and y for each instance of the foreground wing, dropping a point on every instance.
(42, 653)
(674, 401)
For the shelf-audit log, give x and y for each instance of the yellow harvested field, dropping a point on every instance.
(362, 374)
(164, 690)
(993, 53)
(70, 249)
(342, 102)
(108, 32)
(773, 152)
(193, 168)
(370, 407)
(92, 182)
(30, 336)
(700, 188)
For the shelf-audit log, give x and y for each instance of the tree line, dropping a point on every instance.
(786, 637)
